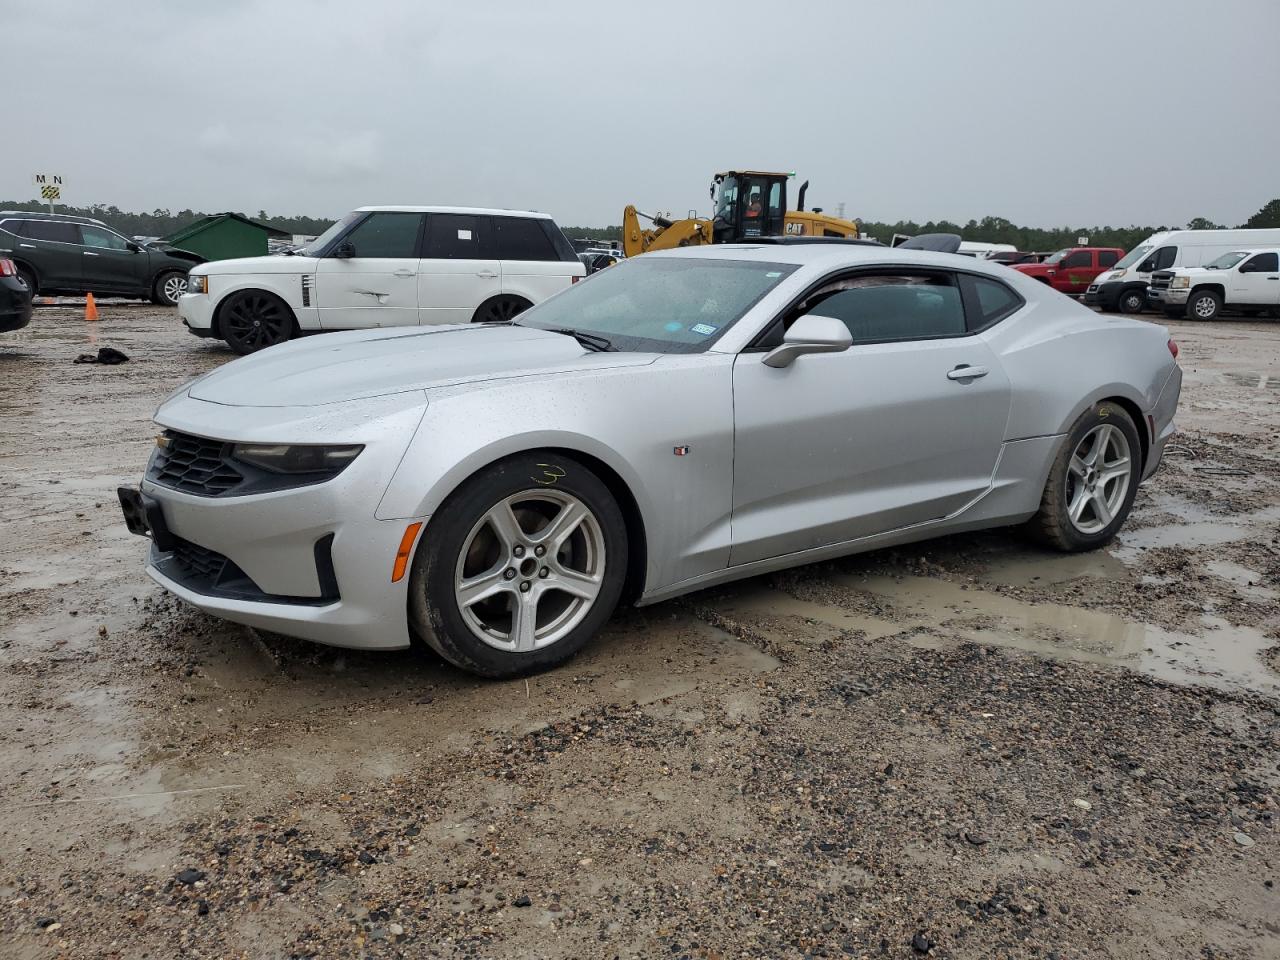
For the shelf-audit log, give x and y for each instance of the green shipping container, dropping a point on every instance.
(224, 236)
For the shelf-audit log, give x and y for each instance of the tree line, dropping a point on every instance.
(159, 223)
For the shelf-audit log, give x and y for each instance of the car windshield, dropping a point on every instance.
(316, 246)
(1132, 257)
(1227, 260)
(1055, 257)
(660, 304)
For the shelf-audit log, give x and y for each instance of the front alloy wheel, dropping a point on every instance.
(530, 570)
(252, 320)
(1133, 301)
(519, 567)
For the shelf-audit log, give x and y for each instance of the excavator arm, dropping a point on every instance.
(663, 235)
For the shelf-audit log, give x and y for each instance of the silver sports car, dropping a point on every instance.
(675, 421)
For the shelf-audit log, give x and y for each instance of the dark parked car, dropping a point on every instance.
(15, 298)
(58, 254)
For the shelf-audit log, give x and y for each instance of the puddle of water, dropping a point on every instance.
(1248, 582)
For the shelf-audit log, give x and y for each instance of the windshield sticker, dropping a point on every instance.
(705, 329)
(774, 275)
(673, 326)
(464, 234)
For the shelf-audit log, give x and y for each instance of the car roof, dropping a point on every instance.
(475, 211)
(833, 256)
(43, 215)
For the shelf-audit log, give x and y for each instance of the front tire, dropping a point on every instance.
(1204, 305)
(253, 320)
(520, 567)
(29, 279)
(1133, 301)
(1092, 483)
(169, 286)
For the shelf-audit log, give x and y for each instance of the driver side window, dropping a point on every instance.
(888, 306)
(1262, 263)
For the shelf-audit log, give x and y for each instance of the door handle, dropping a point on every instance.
(405, 273)
(966, 372)
(88, 253)
(487, 274)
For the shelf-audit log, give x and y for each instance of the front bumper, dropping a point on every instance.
(15, 304)
(1169, 297)
(196, 311)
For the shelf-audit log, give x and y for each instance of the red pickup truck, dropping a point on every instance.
(1073, 269)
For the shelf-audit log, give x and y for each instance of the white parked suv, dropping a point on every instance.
(1245, 280)
(385, 267)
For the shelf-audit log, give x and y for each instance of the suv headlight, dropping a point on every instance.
(197, 283)
(1180, 283)
(297, 458)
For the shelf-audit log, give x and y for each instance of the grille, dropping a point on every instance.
(1159, 281)
(197, 563)
(194, 465)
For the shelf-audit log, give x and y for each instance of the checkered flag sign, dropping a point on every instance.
(50, 192)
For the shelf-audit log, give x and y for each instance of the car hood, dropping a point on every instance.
(360, 364)
(260, 265)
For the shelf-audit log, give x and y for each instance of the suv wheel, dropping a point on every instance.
(500, 310)
(29, 279)
(253, 319)
(169, 286)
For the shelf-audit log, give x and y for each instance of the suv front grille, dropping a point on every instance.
(193, 465)
(1161, 279)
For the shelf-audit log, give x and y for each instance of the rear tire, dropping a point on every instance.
(520, 567)
(1204, 305)
(1092, 482)
(1133, 301)
(253, 320)
(502, 309)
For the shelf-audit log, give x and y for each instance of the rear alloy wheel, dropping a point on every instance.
(500, 310)
(1133, 301)
(520, 568)
(1093, 481)
(169, 286)
(252, 320)
(1204, 305)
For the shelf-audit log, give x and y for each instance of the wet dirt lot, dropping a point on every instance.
(967, 748)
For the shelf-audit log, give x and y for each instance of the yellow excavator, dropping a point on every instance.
(747, 203)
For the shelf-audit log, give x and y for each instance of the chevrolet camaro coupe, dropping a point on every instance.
(679, 420)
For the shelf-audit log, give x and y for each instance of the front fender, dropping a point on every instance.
(288, 287)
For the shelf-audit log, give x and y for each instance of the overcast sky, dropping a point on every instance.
(1048, 113)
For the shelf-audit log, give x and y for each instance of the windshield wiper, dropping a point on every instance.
(589, 340)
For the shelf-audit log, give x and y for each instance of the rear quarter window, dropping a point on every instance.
(521, 238)
(987, 301)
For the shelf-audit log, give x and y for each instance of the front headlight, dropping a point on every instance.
(1180, 283)
(197, 283)
(297, 457)
(1115, 275)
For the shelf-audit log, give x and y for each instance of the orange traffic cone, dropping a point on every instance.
(90, 308)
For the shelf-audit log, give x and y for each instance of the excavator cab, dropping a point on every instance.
(748, 203)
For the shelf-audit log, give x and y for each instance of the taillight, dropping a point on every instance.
(575, 280)
(8, 268)
(1173, 348)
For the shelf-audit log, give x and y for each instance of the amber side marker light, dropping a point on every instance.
(406, 548)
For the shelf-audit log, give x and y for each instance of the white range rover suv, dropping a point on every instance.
(385, 267)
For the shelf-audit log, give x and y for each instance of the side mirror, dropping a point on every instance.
(1146, 266)
(135, 247)
(811, 333)
(345, 250)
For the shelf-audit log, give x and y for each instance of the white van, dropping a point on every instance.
(1125, 287)
(385, 267)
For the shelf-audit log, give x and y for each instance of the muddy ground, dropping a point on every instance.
(970, 747)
